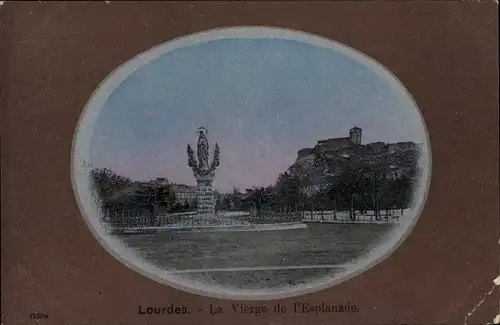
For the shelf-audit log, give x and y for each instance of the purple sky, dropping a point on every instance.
(261, 100)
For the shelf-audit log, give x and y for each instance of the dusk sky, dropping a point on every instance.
(261, 100)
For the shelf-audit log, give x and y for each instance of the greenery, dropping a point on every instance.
(360, 181)
(353, 183)
(117, 194)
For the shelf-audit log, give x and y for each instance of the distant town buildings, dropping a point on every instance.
(162, 181)
(184, 193)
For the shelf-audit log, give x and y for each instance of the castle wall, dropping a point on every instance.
(335, 144)
(304, 152)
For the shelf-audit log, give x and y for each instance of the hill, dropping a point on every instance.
(395, 160)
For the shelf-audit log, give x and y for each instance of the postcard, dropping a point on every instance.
(250, 163)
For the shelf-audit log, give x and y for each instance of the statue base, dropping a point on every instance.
(204, 195)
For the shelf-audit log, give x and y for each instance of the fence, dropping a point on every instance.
(125, 219)
(270, 216)
(144, 219)
(390, 216)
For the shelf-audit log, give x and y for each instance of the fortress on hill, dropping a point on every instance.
(353, 143)
(334, 144)
(401, 158)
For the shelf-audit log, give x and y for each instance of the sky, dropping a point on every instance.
(261, 100)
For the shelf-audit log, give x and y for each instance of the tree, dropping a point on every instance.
(234, 199)
(106, 183)
(145, 197)
(288, 190)
(110, 192)
(348, 183)
(164, 197)
(376, 172)
(403, 189)
(260, 197)
(218, 202)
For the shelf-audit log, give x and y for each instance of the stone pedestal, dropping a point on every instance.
(205, 196)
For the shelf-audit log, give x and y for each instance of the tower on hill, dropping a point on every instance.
(355, 135)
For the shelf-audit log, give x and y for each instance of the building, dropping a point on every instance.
(402, 146)
(377, 147)
(355, 135)
(184, 193)
(161, 181)
(354, 138)
(334, 144)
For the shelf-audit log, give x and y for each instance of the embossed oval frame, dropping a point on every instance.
(89, 116)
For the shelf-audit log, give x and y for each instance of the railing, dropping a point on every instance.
(270, 216)
(124, 219)
(127, 219)
(391, 216)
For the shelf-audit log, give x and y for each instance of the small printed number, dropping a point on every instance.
(38, 316)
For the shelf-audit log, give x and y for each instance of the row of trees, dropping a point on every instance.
(347, 184)
(340, 183)
(117, 193)
(370, 184)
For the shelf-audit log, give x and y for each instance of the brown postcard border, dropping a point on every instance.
(54, 54)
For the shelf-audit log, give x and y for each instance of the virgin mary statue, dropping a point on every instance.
(202, 149)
